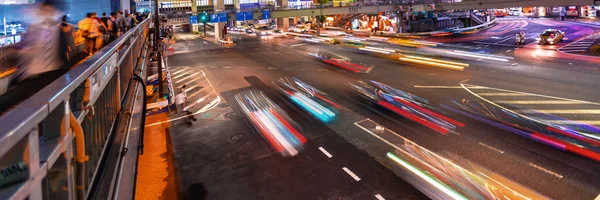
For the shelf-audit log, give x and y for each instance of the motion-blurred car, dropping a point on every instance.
(272, 122)
(550, 36)
(308, 98)
(301, 29)
(342, 62)
(405, 104)
(333, 31)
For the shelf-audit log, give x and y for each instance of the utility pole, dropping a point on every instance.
(158, 48)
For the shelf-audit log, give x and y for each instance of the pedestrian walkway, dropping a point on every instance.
(156, 178)
(549, 109)
(201, 94)
(582, 45)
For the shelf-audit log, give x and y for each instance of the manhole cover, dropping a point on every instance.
(231, 115)
(223, 105)
(237, 137)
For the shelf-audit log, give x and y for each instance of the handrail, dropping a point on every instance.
(24, 117)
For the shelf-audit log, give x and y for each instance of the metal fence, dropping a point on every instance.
(71, 140)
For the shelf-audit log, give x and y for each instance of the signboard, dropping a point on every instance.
(218, 17)
(266, 14)
(249, 5)
(193, 19)
(243, 16)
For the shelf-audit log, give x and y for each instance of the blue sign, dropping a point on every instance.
(193, 19)
(249, 5)
(266, 14)
(219, 17)
(243, 16)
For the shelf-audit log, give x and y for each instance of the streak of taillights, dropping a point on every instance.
(277, 134)
(441, 186)
(327, 100)
(293, 130)
(574, 136)
(413, 117)
(566, 146)
(429, 112)
(337, 63)
(265, 132)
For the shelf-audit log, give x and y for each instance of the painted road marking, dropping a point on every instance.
(179, 69)
(431, 73)
(589, 122)
(180, 75)
(301, 44)
(546, 170)
(598, 197)
(379, 197)
(190, 76)
(444, 87)
(580, 50)
(464, 80)
(188, 82)
(500, 94)
(325, 152)
(530, 102)
(272, 68)
(227, 67)
(531, 94)
(490, 147)
(354, 176)
(583, 111)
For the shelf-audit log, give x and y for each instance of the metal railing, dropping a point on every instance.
(70, 140)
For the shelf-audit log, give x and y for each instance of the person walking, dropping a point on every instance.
(42, 56)
(101, 31)
(127, 20)
(67, 31)
(88, 29)
(113, 27)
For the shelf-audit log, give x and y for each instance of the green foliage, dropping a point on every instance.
(322, 2)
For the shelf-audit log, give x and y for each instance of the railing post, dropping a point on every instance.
(33, 160)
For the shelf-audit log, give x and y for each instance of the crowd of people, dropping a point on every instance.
(98, 31)
(45, 51)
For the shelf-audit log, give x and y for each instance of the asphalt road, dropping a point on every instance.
(211, 152)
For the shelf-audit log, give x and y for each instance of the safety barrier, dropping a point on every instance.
(71, 140)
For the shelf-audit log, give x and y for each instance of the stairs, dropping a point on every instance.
(478, 20)
(346, 18)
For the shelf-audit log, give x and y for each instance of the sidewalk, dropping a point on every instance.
(156, 178)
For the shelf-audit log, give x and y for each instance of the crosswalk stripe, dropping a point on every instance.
(589, 122)
(536, 102)
(579, 50)
(501, 94)
(179, 70)
(190, 76)
(468, 86)
(584, 111)
(180, 75)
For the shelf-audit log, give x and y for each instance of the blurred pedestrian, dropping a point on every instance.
(88, 29)
(67, 30)
(127, 20)
(42, 57)
(120, 22)
(113, 27)
(101, 31)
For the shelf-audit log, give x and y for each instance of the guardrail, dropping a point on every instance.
(71, 139)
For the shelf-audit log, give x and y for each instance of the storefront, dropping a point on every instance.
(300, 4)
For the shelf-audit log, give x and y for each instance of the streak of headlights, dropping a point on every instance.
(479, 56)
(309, 99)
(406, 105)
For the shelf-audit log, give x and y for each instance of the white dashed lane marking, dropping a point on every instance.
(379, 197)
(325, 152)
(354, 176)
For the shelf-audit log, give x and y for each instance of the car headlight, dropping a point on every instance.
(538, 39)
(549, 40)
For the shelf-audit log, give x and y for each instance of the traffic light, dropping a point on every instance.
(203, 17)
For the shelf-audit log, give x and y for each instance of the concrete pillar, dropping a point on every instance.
(125, 5)
(283, 23)
(195, 7)
(236, 3)
(219, 6)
